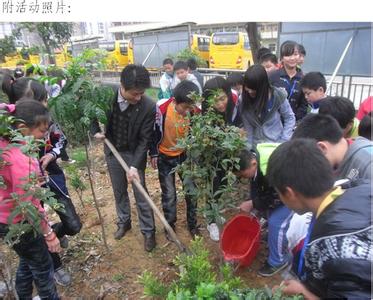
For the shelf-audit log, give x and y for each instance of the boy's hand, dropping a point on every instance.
(295, 287)
(99, 136)
(247, 206)
(53, 244)
(133, 174)
(154, 162)
(46, 159)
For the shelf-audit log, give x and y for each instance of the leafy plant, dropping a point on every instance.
(80, 102)
(190, 285)
(187, 53)
(76, 182)
(7, 46)
(212, 148)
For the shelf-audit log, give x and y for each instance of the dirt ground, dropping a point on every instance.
(98, 273)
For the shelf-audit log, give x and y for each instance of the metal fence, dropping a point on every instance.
(356, 88)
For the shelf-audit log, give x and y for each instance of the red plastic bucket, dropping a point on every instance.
(240, 240)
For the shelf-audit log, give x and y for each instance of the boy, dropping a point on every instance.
(365, 127)
(343, 110)
(338, 248)
(265, 199)
(302, 55)
(235, 81)
(349, 161)
(313, 85)
(181, 72)
(167, 79)
(172, 122)
(192, 66)
(269, 62)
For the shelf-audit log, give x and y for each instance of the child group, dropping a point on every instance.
(314, 189)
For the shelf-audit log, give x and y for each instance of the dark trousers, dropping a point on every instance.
(35, 265)
(70, 222)
(120, 186)
(166, 174)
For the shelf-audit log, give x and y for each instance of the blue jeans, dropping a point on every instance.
(166, 164)
(35, 265)
(278, 224)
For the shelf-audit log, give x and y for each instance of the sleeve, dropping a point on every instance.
(195, 81)
(58, 139)
(301, 110)
(249, 129)
(156, 136)
(145, 137)
(15, 175)
(288, 117)
(164, 84)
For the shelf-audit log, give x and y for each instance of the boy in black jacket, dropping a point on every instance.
(338, 248)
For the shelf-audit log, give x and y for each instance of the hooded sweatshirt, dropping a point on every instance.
(277, 125)
(357, 162)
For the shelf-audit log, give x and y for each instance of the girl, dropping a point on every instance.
(226, 103)
(54, 138)
(265, 111)
(35, 263)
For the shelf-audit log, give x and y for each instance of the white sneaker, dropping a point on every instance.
(214, 231)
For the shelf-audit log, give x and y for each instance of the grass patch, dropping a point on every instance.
(78, 154)
(152, 93)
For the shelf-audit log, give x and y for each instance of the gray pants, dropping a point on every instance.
(122, 203)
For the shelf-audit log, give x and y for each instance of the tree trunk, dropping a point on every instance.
(252, 31)
(51, 59)
(94, 198)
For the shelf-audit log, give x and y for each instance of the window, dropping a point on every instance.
(123, 48)
(203, 43)
(101, 29)
(225, 39)
(246, 43)
(272, 47)
(108, 46)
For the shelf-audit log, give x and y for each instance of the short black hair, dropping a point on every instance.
(268, 56)
(246, 156)
(192, 63)
(182, 91)
(262, 51)
(313, 81)
(301, 49)
(16, 89)
(180, 65)
(135, 77)
(288, 48)
(340, 108)
(235, 78)
(31, 112)
(365, 127)
(300, 165)
(168, 61)
(320, 128)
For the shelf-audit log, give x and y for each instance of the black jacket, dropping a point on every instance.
(339, 254)
(281, 79)
(139, 132)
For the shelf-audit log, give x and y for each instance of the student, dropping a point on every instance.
(181, 72)
(365, 107)
(289, 76)
(226, 104)
(262, 51)
(302, 55)
(264, 198)
(192, 65)
(172, 123)
(365, 127)
(352, 161)
(265, 111)
(269, 62)
(313, 86)
(166, 82)
(343, 110)
(18, 73)
(130, 128)
(35, 264)
(235, 81)
(338, 247)
(54, 141)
